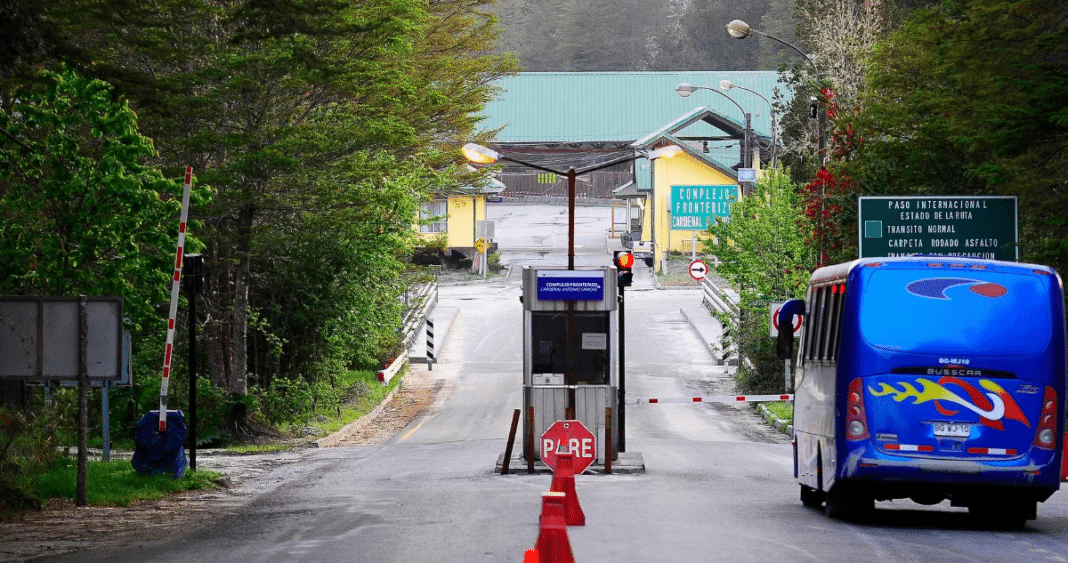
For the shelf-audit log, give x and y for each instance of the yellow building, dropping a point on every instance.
(457, 216)
(686, 192)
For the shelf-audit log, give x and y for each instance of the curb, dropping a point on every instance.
(777, 423)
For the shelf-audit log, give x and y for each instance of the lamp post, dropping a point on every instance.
(684, 90)
(738, 29)
(727, 85)
(482, 155)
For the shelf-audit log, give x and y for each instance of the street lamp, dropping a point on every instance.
(684, 90)
(482, 155)
(738, 29)
(727, 85)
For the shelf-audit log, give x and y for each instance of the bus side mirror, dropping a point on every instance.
(784, 345)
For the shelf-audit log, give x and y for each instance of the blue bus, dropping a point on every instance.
(929, 378)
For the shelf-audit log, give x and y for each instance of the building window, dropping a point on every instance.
(432, 217)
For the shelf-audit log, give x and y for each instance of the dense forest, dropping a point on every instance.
(314, 128)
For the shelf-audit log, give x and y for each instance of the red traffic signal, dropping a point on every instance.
(624, 260)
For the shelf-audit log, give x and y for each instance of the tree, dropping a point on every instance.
(843, 33)
(967, 98)
(286, 109)
(763, 252)
(81, 211)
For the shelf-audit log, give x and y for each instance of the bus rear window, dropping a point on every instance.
(948, 312)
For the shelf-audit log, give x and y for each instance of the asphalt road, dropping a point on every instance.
(717, 486)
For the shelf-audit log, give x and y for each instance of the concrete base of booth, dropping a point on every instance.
(626, 463)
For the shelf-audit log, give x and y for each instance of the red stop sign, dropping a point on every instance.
(569, 436)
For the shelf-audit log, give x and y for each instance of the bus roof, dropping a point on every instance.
(839, 272)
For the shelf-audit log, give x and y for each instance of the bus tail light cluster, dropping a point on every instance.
(856, 416)
(1046, 435)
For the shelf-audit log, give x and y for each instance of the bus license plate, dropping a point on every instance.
(952, 429)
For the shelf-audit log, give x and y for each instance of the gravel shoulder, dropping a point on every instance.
(61, 528)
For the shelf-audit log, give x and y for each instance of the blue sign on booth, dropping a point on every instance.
(570, 285)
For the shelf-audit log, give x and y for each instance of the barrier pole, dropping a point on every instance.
(530, 440)
(511, 441)
(174, 301)
(608, 440)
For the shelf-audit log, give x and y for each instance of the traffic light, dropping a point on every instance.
(624, 261)
(813, 108)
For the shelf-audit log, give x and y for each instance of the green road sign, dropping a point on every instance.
(976, 226)
(694, 207)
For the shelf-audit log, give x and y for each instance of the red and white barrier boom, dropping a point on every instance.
(174, 301)
(715, 399)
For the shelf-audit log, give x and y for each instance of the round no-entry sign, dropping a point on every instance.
(566, 436)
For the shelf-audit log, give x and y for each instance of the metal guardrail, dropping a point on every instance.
(716, 299)
(419, 301)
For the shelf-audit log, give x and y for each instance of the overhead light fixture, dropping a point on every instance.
(479, 154)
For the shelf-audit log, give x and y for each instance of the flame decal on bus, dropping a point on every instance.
(992, 406)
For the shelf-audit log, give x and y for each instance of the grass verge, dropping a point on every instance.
(364, 394)
(782, 410)
(115, 483)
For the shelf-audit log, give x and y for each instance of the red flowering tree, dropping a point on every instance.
(829, 200)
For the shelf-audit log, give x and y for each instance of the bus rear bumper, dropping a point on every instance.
(1024, 471)
(948, 466)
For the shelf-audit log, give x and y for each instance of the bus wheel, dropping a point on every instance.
(848, 503)
(1005, 514)
(810, 497)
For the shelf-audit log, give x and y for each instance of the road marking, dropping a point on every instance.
(409, 433)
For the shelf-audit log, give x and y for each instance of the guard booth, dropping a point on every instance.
(570, 350)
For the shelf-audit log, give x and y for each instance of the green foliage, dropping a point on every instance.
(762, 247)
(115, 483)
(968, 98)
(319, 123)
(765, 255)
(81, 212)
(296, 402)
(782, 410)
(27, 447)
(437, 243)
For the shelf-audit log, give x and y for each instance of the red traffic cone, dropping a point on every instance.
(553, 545)
(564, 482)
(531, 556)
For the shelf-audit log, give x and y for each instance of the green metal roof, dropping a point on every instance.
(618, 107)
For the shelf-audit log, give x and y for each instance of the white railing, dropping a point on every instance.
(715, 299)
(419, 301)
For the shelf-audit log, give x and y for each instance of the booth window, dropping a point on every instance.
(550, 350)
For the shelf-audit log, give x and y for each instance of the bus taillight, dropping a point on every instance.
(856, 417)
(1046, 435)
